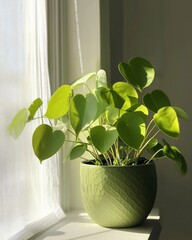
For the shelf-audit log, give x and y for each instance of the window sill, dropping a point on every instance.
(78, 225)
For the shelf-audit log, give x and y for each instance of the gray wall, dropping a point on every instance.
(161, 31)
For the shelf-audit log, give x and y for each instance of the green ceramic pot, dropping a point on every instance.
(116, 196)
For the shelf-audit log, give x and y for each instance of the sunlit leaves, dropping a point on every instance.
(121, 95)
(166, 119)
(46, 142)
(82, 111)
(140, 109)
(127, 93)
(36, 104)
(173, 153)
(131, 128)
(155, 148)
(152, 143)
(118, 110)
(156, 100)
(101, 79)
(113, 114)
(83, 80)
(18, 123)
(138, 72)
(101, 106)
(58, 105)
(103, 138)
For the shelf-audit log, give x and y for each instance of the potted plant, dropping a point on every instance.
(120, 131)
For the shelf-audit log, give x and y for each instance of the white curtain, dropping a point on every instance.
(29, 191)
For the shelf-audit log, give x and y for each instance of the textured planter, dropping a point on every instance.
(118, 196)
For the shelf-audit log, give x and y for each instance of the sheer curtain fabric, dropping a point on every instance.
(29, 191)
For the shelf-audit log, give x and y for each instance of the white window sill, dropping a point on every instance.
(78, 225)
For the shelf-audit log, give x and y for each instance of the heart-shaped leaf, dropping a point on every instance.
(152, 143)
(156, 100)
(138, 72)
(36, 104)
(101, 79)
(82, 111)
(127, 93)
(46, 142)
(101, 106)
(156, 149)
(131, 128)
(18, 123)
(110, 97)
(113, 114)
(140, 109)
(121, 96)
(83, 80)
(166, 119)
(103, 138)
(77, 151)
(173, 153)
(58, 105)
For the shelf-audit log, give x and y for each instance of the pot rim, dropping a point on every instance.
(88, 163)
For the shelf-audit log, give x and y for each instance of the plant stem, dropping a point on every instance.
(152, 120)
(117, 149)
(50, 123)
(87, 87)
(107, 158)
(83, 158)
(93, 154)
(37, 118)
(154, 155)
(115, 153)
(71, 132)
(41, 115)
(143, 147)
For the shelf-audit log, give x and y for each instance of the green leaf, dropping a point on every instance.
(131, 128)
(77, 151)
(103, 138)
(166, 119)
(152, 143)
(46, 142)
(101, 106)
(36, 104)
(18, 123)
(138, 72)
(181, 113)
(113, 114)
(121, 96)
(127, 93)
(155, 149)
(110, 97)
(76, 112)
(173, 153)
(156, 100)
(83, 80)
(82, 111)
(90, 108)
(58, 105)
(101, 79)
(140, 109)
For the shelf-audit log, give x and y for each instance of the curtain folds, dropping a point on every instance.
(29, 191)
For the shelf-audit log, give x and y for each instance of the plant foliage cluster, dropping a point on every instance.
(114, 123)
